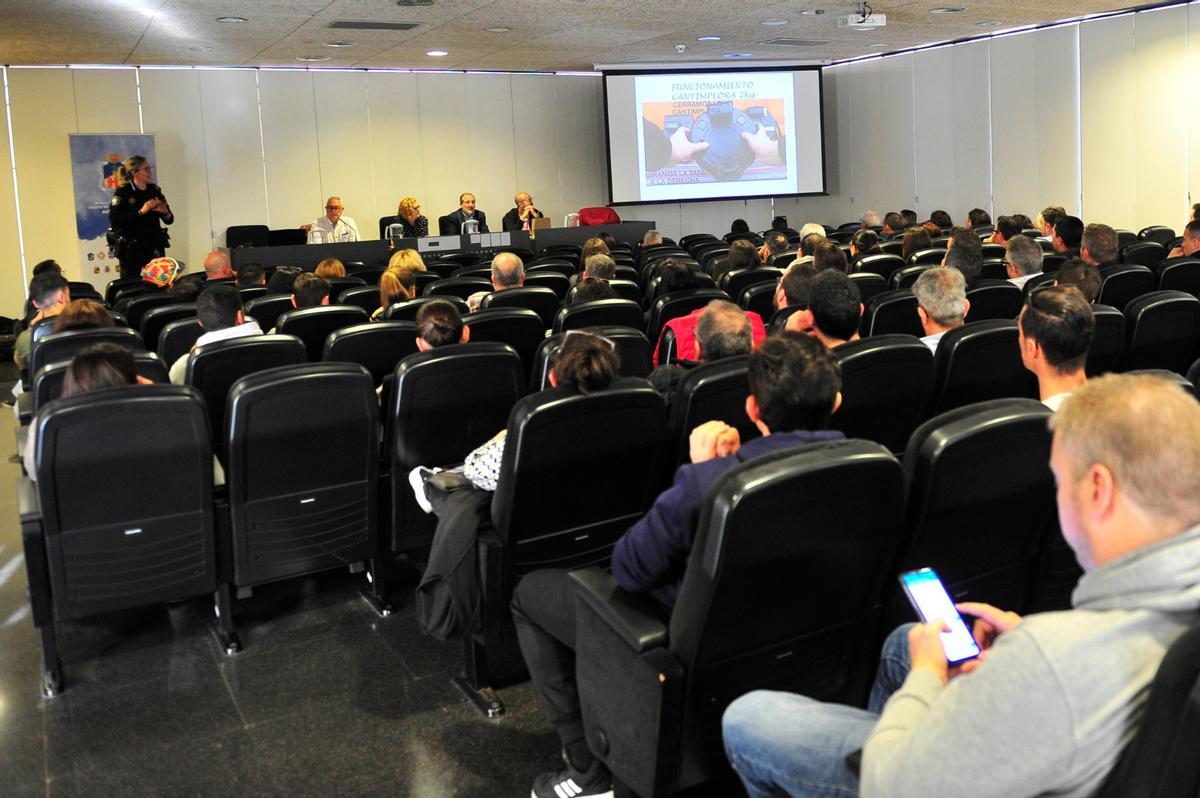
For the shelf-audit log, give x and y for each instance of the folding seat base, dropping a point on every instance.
(222, 622)
(375, 590)
(475, 681)
(52, 669)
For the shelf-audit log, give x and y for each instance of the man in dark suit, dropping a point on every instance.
(522, 216)
(452, 224)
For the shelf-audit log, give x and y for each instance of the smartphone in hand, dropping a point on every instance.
(931, 601)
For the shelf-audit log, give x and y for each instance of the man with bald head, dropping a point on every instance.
(334, 227)
(216, 267)
(507, 272)
(522, 216)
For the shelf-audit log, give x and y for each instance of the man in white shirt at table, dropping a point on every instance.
(333, 227)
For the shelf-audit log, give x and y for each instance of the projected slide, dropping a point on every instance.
(714, 134)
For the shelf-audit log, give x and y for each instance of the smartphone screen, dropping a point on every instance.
(932, 602)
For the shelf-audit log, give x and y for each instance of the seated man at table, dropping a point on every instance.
(522, 216)
(452, 223)
(333, 227)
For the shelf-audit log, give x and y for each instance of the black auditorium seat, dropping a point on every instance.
(474, 271)
(710, 391)
(905, 277)
(1163, 331)
(65, 345)
(1108, 344)
(177, 339)
(1052, 261)
(376, 346)
(678, 303)
(139, 305)
(994, 300)
(868, 285)
(927, 257)
(407, 310)
(48, 383)
(980, 361)
(558, 283)
(598, 313)
(82, 290)
(1045, 278)
(545, 514)
(114, 287)
(1156, 233)
(287, 237)
(1144, 253)
(361, 296)
(559, 266)
(520, 328)
(1125, 238)
(753, 612)
(1121, 284)
(247, 235)
(313, 325)
(542, 301)
(213, 368)
(891, 312)
(95, 539)
(994, 269)
(736, 281)
(252, 292)
(302, 476)
(438, 407)
(1177, 275)
(267, 309)
(886, 385)
(156, 319)
(461, 287)
(633, 351)
(883, 265)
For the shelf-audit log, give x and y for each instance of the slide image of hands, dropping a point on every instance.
(713, 142)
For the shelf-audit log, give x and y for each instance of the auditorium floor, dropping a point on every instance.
(326, 699)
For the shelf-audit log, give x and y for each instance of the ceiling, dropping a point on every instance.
(542, 35)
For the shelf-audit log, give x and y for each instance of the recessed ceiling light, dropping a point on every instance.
(436, 53)
(312, 58)
(232, 19)
(202, 48)
(876, 46)
(498, 29)
(812, 12)
(773, 22)
(338, 44)
(738, 55)
(411, 3)
(990, 23)
(709, 38)
(947, 9)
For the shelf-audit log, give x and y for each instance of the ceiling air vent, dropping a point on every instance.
(350, 24)
(784, 41)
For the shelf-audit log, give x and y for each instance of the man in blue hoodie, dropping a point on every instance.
(1054, 698)
(794, 389)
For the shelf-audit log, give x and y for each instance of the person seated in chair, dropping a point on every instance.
(522, 216)
(1007, 228)
(678, 276)
(1056, 328)
(283, 279)
(1098, 246)
(83, 314)
(452, 223)
(722, 330)
(508, 271)
(217, 267)
(775, 243)
(893, 224)
(977, 217)
(219, 309)
(942, 303)
(1022, 260)
(742, 255)
(829, 255)
(591, 290)
(50, 292)
(310, 290)
(864, 243)
(1056, 696)
(793, 287)
(834, 310)
(1189, 247)
(251, 275)
(964, 251)
(1048, 218)
(794, 389)
(440, 324)
(1068, 234)
(1082, 275)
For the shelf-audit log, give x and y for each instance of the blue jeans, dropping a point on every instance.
(787, 744)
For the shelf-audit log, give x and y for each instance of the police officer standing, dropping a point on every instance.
(134, 214)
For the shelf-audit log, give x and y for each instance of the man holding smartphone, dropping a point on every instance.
(1052, 699)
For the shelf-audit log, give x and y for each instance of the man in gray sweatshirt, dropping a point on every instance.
(1055, 697)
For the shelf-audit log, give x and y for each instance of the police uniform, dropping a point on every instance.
(140, 237)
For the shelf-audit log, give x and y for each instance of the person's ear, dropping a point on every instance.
(423, 345)
(466, 334)
(837, 401)
(698, 354)
(966, 307)
(553, 378)
(325, 300)
(922, 315)
(294, 301)
(240, 318)
(753, 411)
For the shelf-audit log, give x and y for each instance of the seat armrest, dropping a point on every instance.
(33, 541)
(28, 507)
(633, 618)
(25, 408)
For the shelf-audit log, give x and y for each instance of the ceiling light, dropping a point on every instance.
(876, 46)
(812, 12)
(947, 9)
(773, 22)
(498, 29)
(990, 23)
(312, 58)
(232, 19)
(337, 44)
(708, 38)
(411, 3)
(436, 53)
(738, 55)
(202, 48)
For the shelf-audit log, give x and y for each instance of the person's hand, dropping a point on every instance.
(713, 439)
(925, 650)
(1177, 252)
(306, 227)
(990, 622)
(149, 205)
(765, 150)
(682, 149)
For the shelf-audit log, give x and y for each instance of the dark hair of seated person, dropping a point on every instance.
(742, 255)
(591, 290)
(44, 266)
(739, 226)
(249, 274)
(866, 242)
(593, 246)
(310, 290)
(795, 380)
(797, 282)
(1081, 274)
(941, 219)
(81, 314)
(835, 303)
(218, 306)
(915, 239)
(186, 289)
(585, 362)
(103, 365)
(439, 323)
(282, 280)
(830, 256)
(608, 238)
(677, 276)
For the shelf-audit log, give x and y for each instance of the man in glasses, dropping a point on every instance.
(1022, 260)
(334, 227)
(1056, 328)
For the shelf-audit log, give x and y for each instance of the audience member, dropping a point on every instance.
(593, 246)
(507, 272)
(440, 324)
(811, 227)
(310, 291)
(977, 217)
(742, 255)
(794, 384)
(1068, 232)
(809, 244)
(330, 268)
(830, 256)
(1082, 275)
(678, 275)
(1098, 246)
(651, 238)
(775, 243)
(869, 220)
(161, 273)
(933, 230)
(864, 243)
(50, 293)
(893, 224)
(1056, 328)
(722, 330)
(1048, 218)
(83, 314)
(1022, 259)
(600, 266)
(399, 282)
(792, 288)
(1007, 228)
(834, 310)
(43, 266)
(964, 251)
(251, 275)
(941, 219)
(1189, 247)
(608, 239)
(219, 309)
(738, 228)
(188, 287)
(910, 217)
(1056, 696)
(915, 240)
(684, 330)
(282, 280)
(941, 303)
(779, 223)
(1022, 222)
(592, 289)
(217, 266)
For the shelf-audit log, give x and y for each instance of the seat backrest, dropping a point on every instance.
(123, 535)
(927, 257)
(758, 298)
(1164, 329)
(177, 339)
(542, 301)
(461, 287)
(114, 287)
(84, 290)
(905, 277)
(438, 407)
(520, 328)
(407, 310)
(1144, 253)
(302, 470)
(678, 303)
(556, 282)
(999, 300)
(157, 318)
(547, 508)
(1170, 376)
(246, 235)
(777, 537)
(376, 346)
(286, 237)
(267, 309)
(1119, 285)
(1156, 233)
(980, 361)
(980, 497)
(213, 368)
(734, 282)
(559, 266)
(251, 292)
(1161, 761)
(48, 383)
(994, 269)
(633, 351)
(1108, 344)
(883, 265)
(361, 296)
(886, 385)
(1033, 282)
(892, 312)
(1052, 261)
(313, 325)
(868, 285)
(1180, 275)
(710, 391)
(599, 313)
(139, 305)
(65, 345)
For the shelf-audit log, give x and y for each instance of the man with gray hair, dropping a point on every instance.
(507, 272)
(1098, 246)
(869, 219)
(1022, 260)
(941, 303)
(599, 267)
(723, 330)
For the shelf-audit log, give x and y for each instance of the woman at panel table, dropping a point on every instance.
(408, 215)
(135, 211)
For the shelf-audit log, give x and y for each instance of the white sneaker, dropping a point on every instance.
(416, 478)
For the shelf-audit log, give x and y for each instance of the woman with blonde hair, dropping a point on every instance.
(399, 282)
(408, 215)
(331, 267)
(134, 213)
